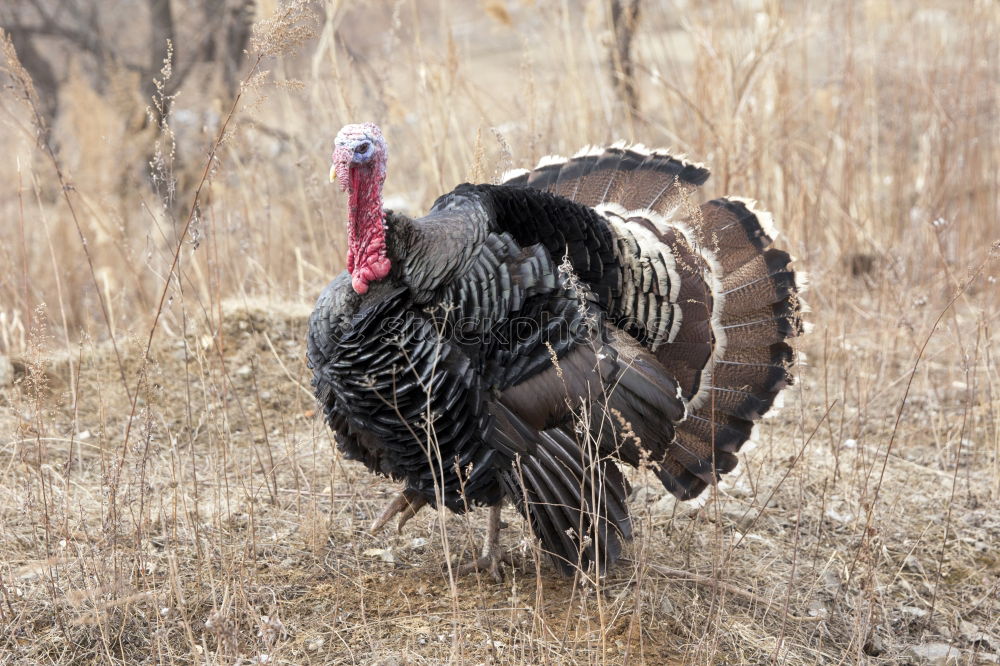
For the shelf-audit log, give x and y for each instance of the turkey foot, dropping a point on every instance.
(491, 558)
(406, 504)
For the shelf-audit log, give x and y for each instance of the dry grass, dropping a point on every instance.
(177, 500)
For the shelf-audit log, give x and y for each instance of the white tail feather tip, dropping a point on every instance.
(589, 151)
(550, 159)
(764, 218)
(511, 174)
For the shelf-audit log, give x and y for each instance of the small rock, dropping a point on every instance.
(740, 490)
(972, 519)
(910, 563)
(980, 546)
(388, 660)
(972, 633)
(875, 646)
(243, 370)
(740, 518)
(645, 494)
(384, 554)
(665, 506)
(831, 582)
(937, 654)
(840, 516)
(817, 608)
(912, 612)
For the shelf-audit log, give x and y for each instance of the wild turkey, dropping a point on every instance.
(521, 339)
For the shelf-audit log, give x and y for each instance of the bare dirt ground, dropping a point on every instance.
(229, 530)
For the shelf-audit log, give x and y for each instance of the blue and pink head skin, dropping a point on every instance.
(359, 163)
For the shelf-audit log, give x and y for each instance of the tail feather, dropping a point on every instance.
(767, 377)
(658, 182)
(740, 402)
(550, 521)
(780, 356)
(632, 176)
(577, 506)
(685, 361)
(750, 310)
(733, 231)
(770, 288)
(692, 339)
(599, 176)
(762, 331)
(678, 480)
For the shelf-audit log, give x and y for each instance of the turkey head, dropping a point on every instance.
(359, 163)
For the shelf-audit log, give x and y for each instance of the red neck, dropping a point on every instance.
(366, 250)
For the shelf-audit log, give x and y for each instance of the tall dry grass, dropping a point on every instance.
(858, 140)
(183, 505)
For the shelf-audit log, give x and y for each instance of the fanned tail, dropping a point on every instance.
(755, 308)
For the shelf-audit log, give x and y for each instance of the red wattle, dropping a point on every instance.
(366, 249)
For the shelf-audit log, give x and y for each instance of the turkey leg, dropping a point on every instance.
(406, 504)
(491, 558)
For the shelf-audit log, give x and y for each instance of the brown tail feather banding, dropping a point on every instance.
(756, 310)
(633, 177)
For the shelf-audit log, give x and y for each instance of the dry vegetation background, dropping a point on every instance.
(167, 494)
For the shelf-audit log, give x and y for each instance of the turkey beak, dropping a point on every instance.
(333, 172)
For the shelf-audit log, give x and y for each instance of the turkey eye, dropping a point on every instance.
(362, 148)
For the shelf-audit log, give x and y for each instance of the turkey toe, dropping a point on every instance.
(405, 504)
